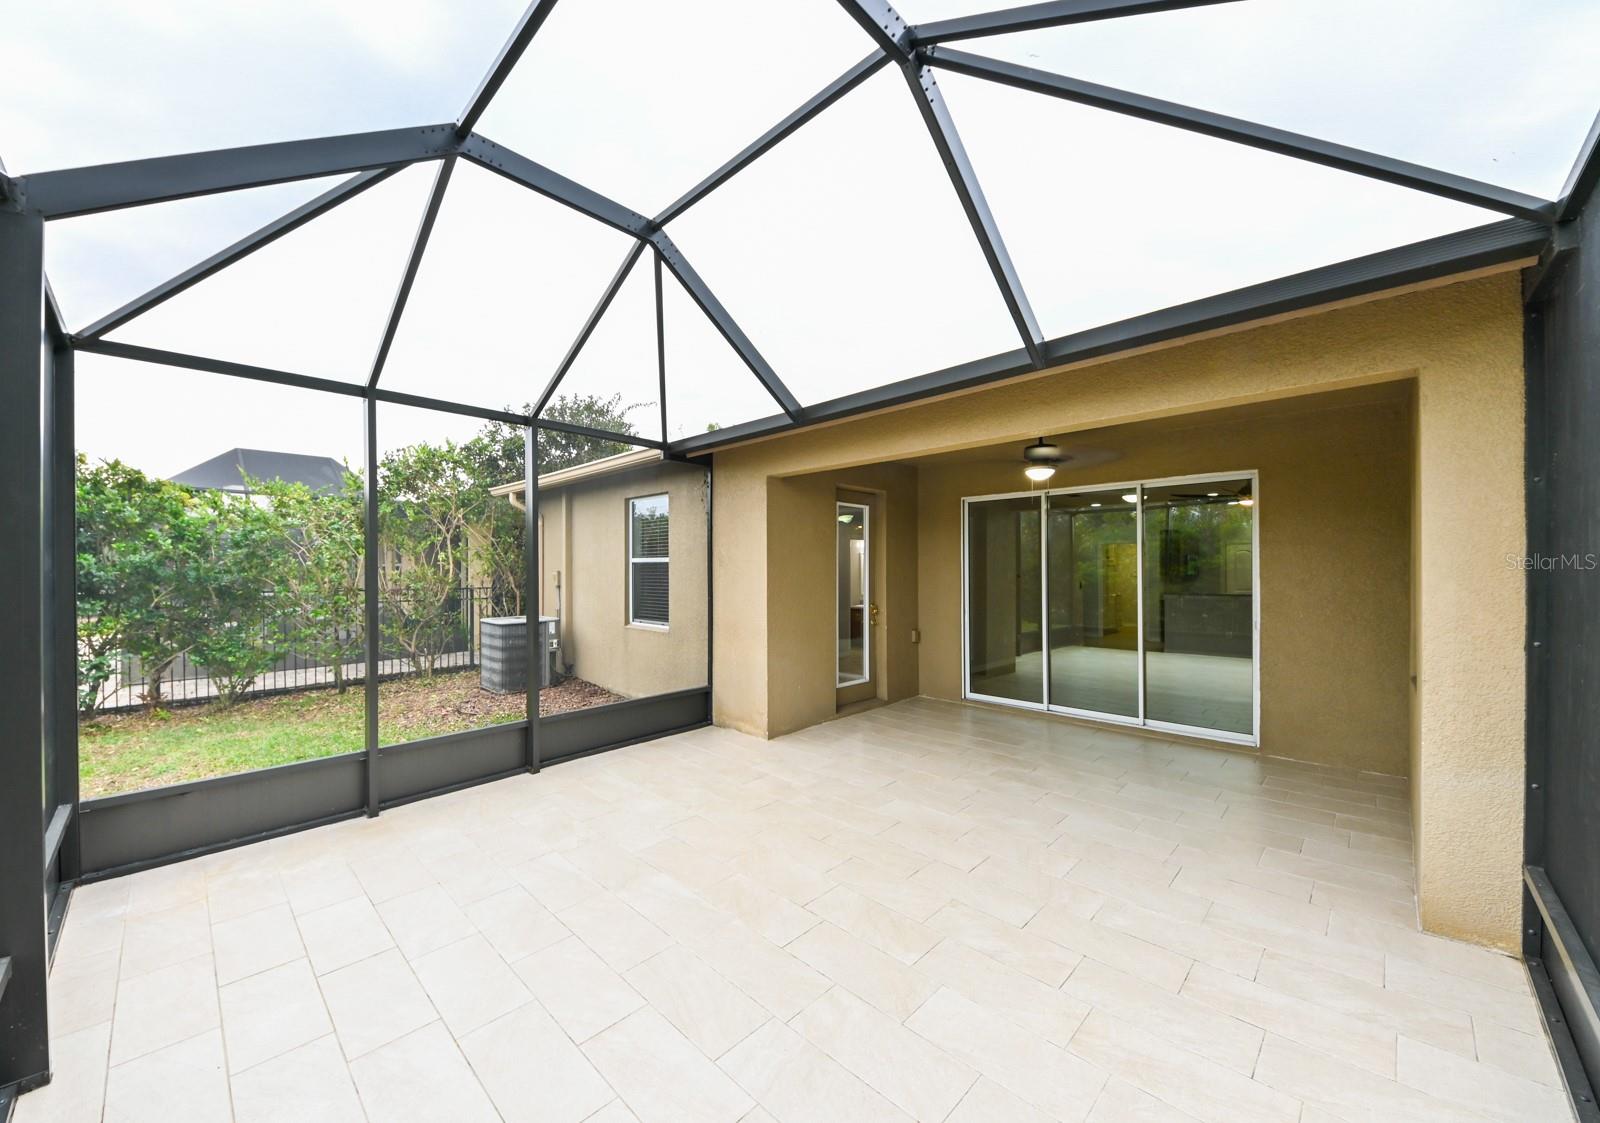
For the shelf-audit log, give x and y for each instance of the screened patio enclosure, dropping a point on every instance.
(925, 201)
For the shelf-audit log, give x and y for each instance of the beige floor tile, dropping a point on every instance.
(1018, 948)
(255, 942)
(1184, 938)
(1121, 1102)
(769, 974)
(424, 920)
(904, 894)
(1424, 1021)
(515, 923)
(1357, 1040)
(1448, 956)
(1361, 963)
(1346, 1091)
(151, 941)
(389, 874)
(310, 1084)
(1445, 1075)
(977, 892)
(802, 1084)
(344, 933)
(1022, 999)
(1164, 968)
(616, 1112)
(661, 1076)
(1515, 1009)
(888, 931)
(865, 971)
(1023, 1063)
(615, 931)
(164, 1007)
(774, 917)
(1190, 1083)
(532, 1070)
(270, 1013)
(555, 882)
(921, 1079)
(469, 984)
(319, 884)
(577, 988)
(375, 1001)
(421, 1078)
(1521, 1054)
(701, 1004)
(76, 1092)
(82, 1000)
(987, 1102)
(1184, 1021)
(181, 1083)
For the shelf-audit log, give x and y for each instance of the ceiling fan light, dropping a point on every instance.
(1039, 472)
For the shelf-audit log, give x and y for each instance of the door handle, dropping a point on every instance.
(872, 613)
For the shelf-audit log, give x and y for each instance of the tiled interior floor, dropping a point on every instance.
(924, 911)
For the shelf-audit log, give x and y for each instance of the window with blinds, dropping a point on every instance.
(647, 561)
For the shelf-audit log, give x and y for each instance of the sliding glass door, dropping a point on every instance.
(1135, 603)
(1092, 583)
(1005, 602)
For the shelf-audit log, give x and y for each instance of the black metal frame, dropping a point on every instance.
(36, 403)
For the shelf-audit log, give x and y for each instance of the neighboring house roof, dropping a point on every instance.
(605, 466)
(228, 471)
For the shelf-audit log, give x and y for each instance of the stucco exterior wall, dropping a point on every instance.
(1333, 507)
(1461, 346)
(585, 580)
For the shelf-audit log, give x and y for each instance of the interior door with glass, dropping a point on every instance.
(1004, 602)
(855, 597)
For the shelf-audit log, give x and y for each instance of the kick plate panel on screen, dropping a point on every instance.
(1133, 602)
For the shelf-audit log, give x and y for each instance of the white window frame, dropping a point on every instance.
(633, 620)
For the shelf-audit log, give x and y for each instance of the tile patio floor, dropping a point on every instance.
(924, 911)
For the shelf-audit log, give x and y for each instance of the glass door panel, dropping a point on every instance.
(1199, 604)
(1093, 601)
(852, 588)
(1005, 599)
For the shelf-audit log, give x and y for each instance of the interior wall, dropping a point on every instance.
(1333, 506)
(586, 550)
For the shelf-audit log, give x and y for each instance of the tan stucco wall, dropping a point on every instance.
(585, 540)
(1333, 504)
(1460, 343)
(800, 549)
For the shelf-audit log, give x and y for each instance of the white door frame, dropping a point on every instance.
(1142, 720)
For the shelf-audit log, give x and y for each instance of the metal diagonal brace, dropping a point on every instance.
(244, 247)
(133, 183)
(553, 185)
(1032, 17)
(612, 288)
(942, 128)
(419, 246)
(1284, 143)
(701, 294)
(527, 27)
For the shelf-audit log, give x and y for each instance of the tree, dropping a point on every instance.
(428, 498)
(139, 547)
(237, 559)
(496, 456)
(558, 450)
(318, 581)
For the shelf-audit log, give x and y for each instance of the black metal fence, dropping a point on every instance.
(449, 640)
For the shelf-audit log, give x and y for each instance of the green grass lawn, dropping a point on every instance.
(129, 752)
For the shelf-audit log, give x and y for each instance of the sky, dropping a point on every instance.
(843, 253)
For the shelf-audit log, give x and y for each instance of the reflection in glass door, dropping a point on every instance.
(1199, 604)
(853, 578)
(1139, 599)
(1093, 593)
(1004, 602)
